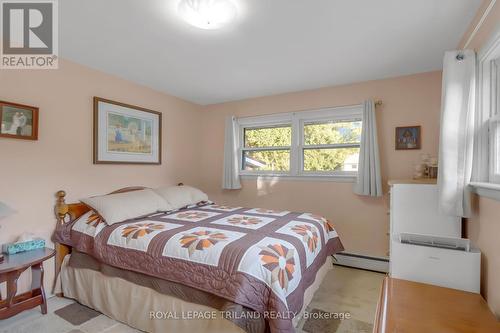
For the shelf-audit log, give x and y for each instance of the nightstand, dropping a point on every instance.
(10, 270)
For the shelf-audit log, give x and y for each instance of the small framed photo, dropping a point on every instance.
(408, 137)
(18, 121)
(125, 134)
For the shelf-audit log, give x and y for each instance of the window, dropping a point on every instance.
(309, 143)
(495, 149)
(267, 148)
(490, 114)
(494, 123)
(486, 163)
(331, 146)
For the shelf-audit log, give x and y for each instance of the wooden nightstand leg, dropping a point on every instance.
(12, 286)
(37, 284)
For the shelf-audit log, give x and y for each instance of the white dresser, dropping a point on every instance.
(414, 213)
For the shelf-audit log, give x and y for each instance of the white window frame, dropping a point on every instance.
(297, 120)
(265, 122)
(485, 181)
(494, 120)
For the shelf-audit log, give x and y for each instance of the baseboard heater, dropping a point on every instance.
(377, 264)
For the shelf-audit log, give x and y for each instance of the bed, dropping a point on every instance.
(205, 267)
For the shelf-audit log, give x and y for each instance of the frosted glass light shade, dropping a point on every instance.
(207, 14)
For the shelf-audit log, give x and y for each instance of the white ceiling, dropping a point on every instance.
(275, 46)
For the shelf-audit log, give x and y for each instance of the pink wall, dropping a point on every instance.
(362, 222)
(62, 157)
(32, 171)
(484, 227)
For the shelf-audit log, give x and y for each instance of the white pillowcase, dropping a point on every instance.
(181, 196)
(119, 207)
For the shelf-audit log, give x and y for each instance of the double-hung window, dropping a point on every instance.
(331, 146)
(302, 144)
(487, 155)
(494, 123)
(267, 148)
(486, 164)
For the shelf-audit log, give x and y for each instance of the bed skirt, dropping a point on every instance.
(148, 310)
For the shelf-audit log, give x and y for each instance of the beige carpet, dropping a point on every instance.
(346, 293)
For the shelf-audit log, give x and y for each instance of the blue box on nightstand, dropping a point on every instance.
(12, 248)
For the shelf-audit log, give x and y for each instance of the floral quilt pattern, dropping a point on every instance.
(278, 265)
(200, 244)
(223, 208)
(260, 258)
(327, 225)
(192, 215)
(308, 234)
(138, 235)
(90, 224)
(244, 221)
(265, 211)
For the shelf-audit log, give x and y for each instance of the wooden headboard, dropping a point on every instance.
(68, 212)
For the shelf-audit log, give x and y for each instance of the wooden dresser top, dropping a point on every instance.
(408, 307)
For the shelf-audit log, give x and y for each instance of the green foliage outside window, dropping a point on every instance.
(314, 159)
(268, 137)
(331, 133)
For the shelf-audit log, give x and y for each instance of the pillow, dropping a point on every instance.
(115, 208)
(181, 196)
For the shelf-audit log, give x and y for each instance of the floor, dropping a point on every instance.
(351, 292)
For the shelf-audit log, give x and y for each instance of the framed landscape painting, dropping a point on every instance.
(125, 134)
(18, 121)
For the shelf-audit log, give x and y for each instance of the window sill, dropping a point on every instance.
(323, 178)
(489, 190)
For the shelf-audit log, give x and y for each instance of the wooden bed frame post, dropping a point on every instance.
(61, 210)
(61, 207)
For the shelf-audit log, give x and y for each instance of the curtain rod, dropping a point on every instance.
(377, 104)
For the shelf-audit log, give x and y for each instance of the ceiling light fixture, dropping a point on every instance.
(207, 14)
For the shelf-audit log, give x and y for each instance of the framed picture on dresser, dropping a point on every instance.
(126, 134)
(18, 121)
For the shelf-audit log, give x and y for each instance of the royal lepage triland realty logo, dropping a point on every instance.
(29, 34)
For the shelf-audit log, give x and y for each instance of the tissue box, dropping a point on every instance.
(13, 248)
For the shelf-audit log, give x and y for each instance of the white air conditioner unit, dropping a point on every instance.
(442, 261)
(452, 243)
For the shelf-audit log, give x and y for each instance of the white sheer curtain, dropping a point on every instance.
(457, 132)
(230, 177)
(369, 181)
